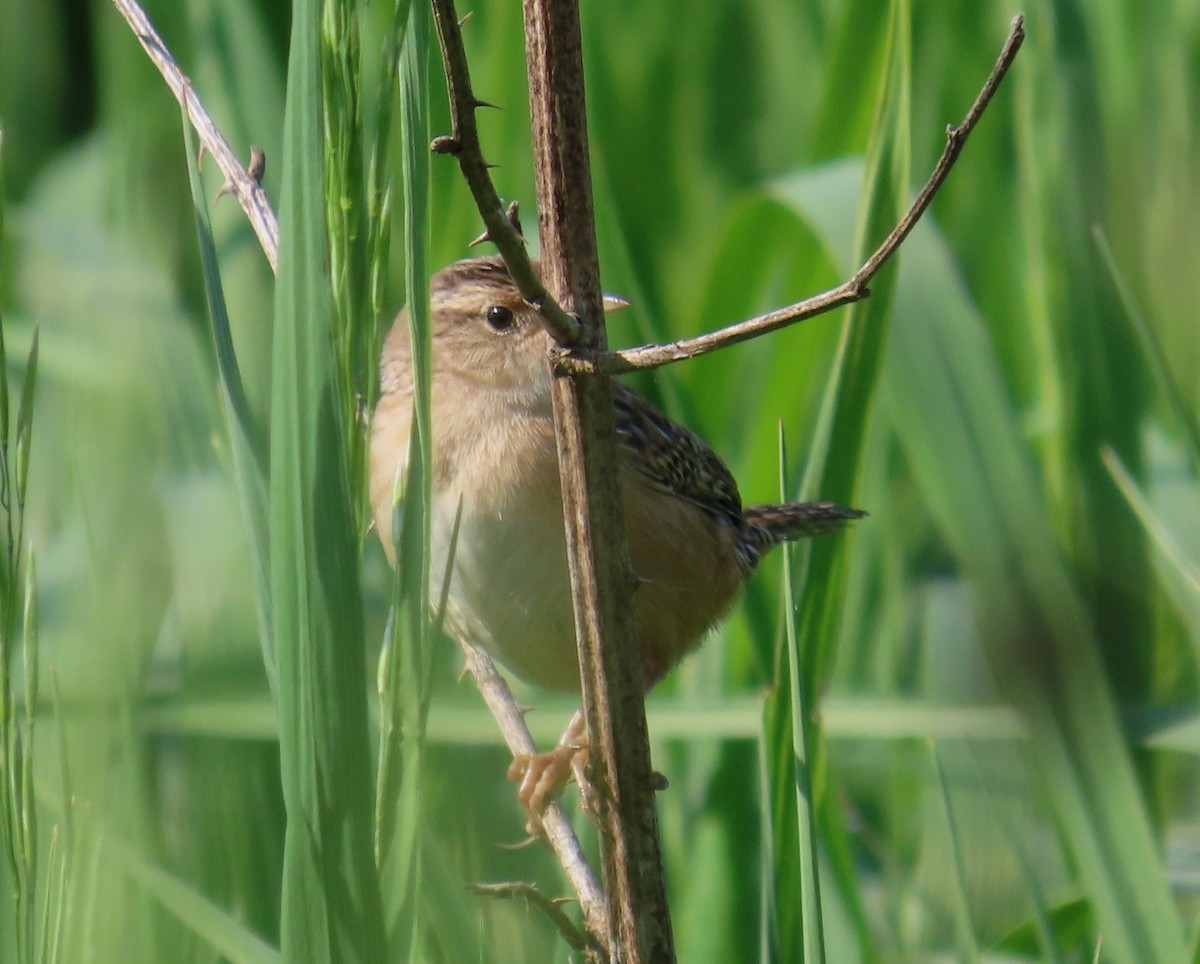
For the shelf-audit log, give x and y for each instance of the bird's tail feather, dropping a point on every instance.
(769, 525)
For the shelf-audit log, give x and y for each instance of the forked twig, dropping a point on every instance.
(652, 356)
(519, 890)
(238, 181)
(559, 833)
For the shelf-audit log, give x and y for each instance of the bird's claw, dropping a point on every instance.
(542, 777)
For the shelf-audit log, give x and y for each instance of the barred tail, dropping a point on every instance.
(769, 525)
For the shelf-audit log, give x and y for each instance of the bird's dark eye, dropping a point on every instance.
(500, 318)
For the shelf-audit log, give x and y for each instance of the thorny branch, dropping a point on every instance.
(612, 673)
(652, 356)
(464, 146)
(245, 186)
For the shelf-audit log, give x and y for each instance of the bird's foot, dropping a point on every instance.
(542, 777)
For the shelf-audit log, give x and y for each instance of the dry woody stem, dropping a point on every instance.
(639, 921)
(529, 893)
(602, 579)
(245, 185)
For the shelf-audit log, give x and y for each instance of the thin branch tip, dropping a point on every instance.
(856, 289)
(243, 183)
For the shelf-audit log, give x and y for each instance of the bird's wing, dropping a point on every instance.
(672, 459)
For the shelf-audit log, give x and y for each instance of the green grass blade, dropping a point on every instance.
(834, 468)
(247, 442)
(803, 739)
(231, 939)
(834, 465)
(331, 899)
(227, 363)
(854, 73)
(1041, 923)
(768, 914)
(66, 891)
(405, 686)
(1068, 924)
(955, 421)
(1152, 348)
(379, 187)
(216, 927)
(24, 442)
(967, 945)
(1157, 531)
(345, 212)
(18, 638)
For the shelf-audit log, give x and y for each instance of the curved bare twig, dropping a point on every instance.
(653, 356)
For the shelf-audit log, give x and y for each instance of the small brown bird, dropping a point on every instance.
(691, 541)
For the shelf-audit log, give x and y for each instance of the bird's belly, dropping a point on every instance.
(510, 591)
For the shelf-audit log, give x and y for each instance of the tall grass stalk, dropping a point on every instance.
(832, 472)
(18, 636)
(331, 906)
(406, 661)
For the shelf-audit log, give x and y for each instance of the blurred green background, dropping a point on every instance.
(1002, 657)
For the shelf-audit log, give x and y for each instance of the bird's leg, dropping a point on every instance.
(542, 776)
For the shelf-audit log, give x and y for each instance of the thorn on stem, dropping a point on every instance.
(512, 212)
(255, 171)
(258, 164)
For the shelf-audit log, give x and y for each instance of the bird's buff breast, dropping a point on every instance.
(509, 590)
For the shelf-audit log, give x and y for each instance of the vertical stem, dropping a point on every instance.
(601, 575)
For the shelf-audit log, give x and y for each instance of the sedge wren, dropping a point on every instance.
(691, 541)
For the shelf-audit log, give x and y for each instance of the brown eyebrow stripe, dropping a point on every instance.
(487, 272)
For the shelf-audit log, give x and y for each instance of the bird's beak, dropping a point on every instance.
(614, 303)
